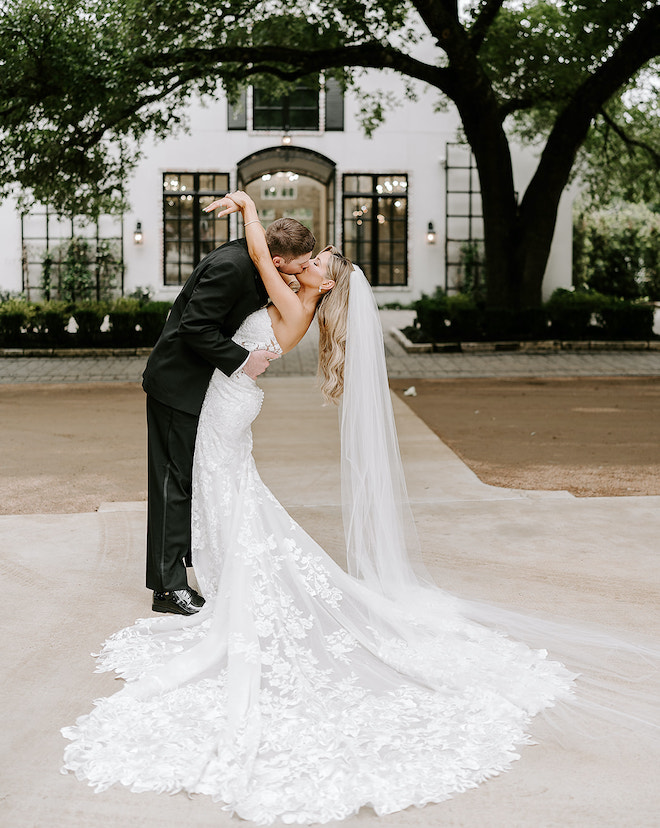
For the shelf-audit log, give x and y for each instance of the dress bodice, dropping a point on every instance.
(256, 333)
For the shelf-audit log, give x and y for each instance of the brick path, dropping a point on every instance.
(302, 362)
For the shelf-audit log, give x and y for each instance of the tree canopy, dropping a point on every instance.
(84, 81)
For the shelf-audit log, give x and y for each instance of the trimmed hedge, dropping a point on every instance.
(125, 323)
(566, 315)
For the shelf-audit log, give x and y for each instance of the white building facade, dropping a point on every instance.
(403, 204)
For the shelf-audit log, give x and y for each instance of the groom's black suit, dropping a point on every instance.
(221, 292)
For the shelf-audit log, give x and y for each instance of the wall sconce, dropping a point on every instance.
(430, 234)
(286, 140)
(137, 233)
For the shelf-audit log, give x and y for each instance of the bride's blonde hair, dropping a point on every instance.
(332, 314)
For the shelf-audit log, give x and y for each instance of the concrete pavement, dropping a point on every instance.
(302, 362)
(75, 579)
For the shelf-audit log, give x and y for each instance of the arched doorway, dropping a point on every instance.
(295, 182)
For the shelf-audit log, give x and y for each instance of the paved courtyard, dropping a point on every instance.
(593, 559)
(302, 362)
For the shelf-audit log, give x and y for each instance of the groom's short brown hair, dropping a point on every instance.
(289, 239)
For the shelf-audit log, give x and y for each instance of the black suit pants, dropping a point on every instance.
(171, 444)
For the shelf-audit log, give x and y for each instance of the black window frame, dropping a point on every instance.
(374, 266)
(329, 102)
(199, 196)
(286, 107)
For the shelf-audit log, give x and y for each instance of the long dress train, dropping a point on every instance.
(298, 693)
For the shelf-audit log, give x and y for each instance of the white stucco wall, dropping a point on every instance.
(10, 248)
(411, 141)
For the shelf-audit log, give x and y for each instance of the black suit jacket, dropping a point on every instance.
(224, 288)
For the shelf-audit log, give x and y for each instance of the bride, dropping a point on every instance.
(301, 692)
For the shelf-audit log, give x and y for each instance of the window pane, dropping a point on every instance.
(189, 232)
(268, 119)
(297, 110)
(391, 184)
(358, 184)
(303, 118)
(268, 110)
(303, 106)
(237, 114)
(171, 182)
(172, 274)
(305, 96)
(334, 105)
(206, 181)
(185, 230)
(171, 252)
(376, 226)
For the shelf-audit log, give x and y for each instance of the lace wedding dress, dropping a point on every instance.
(299, 693)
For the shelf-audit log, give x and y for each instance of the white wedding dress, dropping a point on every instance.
(299, 693)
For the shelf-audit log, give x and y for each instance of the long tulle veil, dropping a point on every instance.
(383, 549)
(381, 541)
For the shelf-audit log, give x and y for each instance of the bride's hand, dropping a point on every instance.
(229, 205)
(234, 202)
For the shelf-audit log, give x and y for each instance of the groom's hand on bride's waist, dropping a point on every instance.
(258, 362)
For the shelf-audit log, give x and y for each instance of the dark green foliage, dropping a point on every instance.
(571, 313)
(462, 318)
(51, 320)
(151, 318)
(85, 83)
(89, 317)
(137, 324)
(626, 320)
(567, 315)
(81, 269)
(616, 251)
(15, 319)
(125, 323)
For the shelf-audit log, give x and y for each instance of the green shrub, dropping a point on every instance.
(136, 324)
(571, 313)
(51, 320)
(77, 278)
(465, 319)
(431, 313)
(151, 319)
(123, 328)
(462, 318)
(568, 314)
(89, 317)
(507, 324)
(16, 320)
(619, 319)
(616, 251)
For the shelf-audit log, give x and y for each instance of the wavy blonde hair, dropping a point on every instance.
(332, 314)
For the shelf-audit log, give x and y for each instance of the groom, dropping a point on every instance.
(222, 291)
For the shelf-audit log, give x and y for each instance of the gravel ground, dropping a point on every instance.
(68, 448)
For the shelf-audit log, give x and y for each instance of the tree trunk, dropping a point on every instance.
(483, 130)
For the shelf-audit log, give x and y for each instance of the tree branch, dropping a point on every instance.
(630, 143)
(95, 136)
(301, 62)
(440, 18)
(639, 46)
(485, 19)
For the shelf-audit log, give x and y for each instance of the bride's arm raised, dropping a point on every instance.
(284, 299)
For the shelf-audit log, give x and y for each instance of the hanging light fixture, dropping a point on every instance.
(431, 234)
(138, 238)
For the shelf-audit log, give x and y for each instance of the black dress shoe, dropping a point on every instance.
(180, 601)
